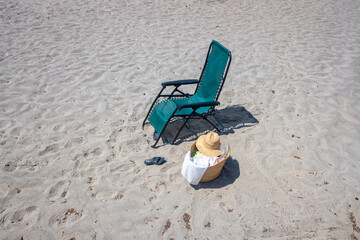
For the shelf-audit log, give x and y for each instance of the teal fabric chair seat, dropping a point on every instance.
(163, 111)
(200, 104)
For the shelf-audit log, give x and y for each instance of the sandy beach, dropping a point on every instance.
(77, 78)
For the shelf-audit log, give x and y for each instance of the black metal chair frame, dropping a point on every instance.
(194, 106)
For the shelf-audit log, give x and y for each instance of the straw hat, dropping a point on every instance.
(209, 144)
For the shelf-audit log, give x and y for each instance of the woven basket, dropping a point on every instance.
(211, 172)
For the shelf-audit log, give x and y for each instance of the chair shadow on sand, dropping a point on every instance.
(228, 119)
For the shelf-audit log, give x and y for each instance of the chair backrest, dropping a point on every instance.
(214, 73)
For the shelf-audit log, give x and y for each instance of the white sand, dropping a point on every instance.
(76, 80)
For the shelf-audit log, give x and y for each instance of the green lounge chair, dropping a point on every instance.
(202, 103)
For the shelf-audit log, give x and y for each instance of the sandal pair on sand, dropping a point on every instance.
(155, 160)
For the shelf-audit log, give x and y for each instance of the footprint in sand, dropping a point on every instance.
(59, 128)
(59, 190)
(66, 216)
(73, 142)
(124, 167)
(49, 149)
(27, 216)
(105, 194)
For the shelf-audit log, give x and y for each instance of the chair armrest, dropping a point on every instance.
(198, 105)
(179, 82)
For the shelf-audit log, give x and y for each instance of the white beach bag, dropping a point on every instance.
(192, 172)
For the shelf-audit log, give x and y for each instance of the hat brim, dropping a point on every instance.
(201, 146)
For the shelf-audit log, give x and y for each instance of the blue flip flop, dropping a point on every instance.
(155, 160)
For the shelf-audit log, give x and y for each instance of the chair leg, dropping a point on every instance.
(157, 140)
(185, 122)
(177, 134)
(162, 131)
